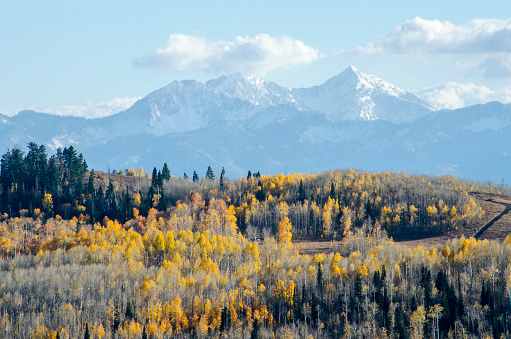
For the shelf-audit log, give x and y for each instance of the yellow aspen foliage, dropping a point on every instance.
(386, 214)
(432, 211)
(336, 271)
(203, 326)
(177, 313)
(252, 251)
(159, 242)
(453, 212)
(47, 203)
(417, 321)
(362, 270)
(98, 331)
(318, 258)
(156, 200)
(283, 209)
(136, 200)
(285, 234)
(327, 217)
(289, 292)
(336, 259)
(346, 220)
(230, 220)
(446, 251)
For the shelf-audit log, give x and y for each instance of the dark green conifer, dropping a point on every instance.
(165, 172)
(225, 319)
(302, 195)
(222, 180)
(87, 334)
(209, 174)
(254, 334)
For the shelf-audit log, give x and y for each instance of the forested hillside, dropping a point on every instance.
(133, 255)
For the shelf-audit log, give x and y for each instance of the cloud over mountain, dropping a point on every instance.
(478, 36)
(92, 109)
(454, 95)
(258, 54)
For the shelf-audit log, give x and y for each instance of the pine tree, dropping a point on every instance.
(144, 334)
(302, 195)
(249, 175)
(90, 186)
(87, 334)
(222, 180)
(154, 178)
(185, 176)
(260, 194)
(195, 176)
(209, 174)
(332, 191)
(165, 173)
(129, 312)
(319, 280)
(225, 319)
(255, 330)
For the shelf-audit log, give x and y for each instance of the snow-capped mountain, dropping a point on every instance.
(354, 94)
(253, 89)
(244, 122)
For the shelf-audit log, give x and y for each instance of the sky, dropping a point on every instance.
(94, 58)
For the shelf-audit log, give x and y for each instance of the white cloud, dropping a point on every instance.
(259, 54)
(455, 95)
(478, 36)
(90, 109)
(498, 66)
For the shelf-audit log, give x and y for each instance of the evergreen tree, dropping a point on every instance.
(249, 175)
(254, 334)
(302, 195)
(90, 185)
(185, 176)
(400, 322)
(427, 287)
(144, 334)
(209, 174)
(225, 319)
(154, 178)
(165, 173)
(87, 334)
(319, 280)
(129, 312)
(222, 180)
(195, 176)
(260, 194)
(332, 191)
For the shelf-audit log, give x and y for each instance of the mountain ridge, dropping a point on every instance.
(244, 122)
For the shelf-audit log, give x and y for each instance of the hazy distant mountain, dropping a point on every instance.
(354, 94)
(244, 122)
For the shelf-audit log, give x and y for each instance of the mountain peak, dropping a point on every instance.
(251, 88)
(356, 95)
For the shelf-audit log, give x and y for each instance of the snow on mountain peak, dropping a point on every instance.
(357, 95)
(253, 89)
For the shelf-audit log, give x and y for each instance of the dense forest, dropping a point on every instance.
(138, 255)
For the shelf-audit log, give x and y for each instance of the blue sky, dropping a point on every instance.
(95, 57)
